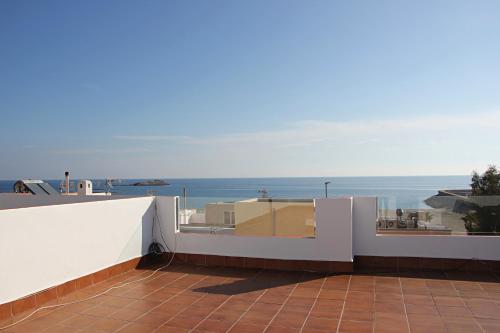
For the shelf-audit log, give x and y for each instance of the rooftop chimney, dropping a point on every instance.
(66, 175)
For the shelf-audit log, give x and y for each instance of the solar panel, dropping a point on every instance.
(35, 188)
(49, 189)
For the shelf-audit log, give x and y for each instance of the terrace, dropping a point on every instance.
(190, 298)
(346, 278)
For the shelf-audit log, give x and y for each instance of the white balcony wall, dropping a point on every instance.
(333, 240)
(41, 247)
(366, 241)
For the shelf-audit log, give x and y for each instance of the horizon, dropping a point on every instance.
(215, 178)
(221, 89)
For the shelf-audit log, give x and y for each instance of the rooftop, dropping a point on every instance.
(90, 262)
(189, 298)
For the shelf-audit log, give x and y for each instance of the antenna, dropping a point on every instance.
(66, 176)
(109, 184)
(185, 198)
(264, 193)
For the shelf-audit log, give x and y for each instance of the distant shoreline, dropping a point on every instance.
(154, 182)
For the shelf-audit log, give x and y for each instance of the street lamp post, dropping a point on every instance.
(326, 189)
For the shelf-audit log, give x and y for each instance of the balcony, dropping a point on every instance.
(345, 277)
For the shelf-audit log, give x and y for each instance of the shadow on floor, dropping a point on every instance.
(261, 280)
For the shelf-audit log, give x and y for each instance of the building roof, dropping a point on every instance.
(36, 186)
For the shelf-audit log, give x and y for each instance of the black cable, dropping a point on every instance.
(161, 231)
(156, 247)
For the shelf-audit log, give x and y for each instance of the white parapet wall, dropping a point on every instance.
(333, 241)
(41, 247)
(366, 242)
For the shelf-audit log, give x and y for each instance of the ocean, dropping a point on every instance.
(405, 191)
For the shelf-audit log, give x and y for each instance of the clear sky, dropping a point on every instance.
(248, 88)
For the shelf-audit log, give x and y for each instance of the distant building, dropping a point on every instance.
(84, 187)
(264, 217)
(275, 217)
(34, 186)
(221, 213)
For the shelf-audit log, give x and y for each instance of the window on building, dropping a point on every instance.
(229, 218)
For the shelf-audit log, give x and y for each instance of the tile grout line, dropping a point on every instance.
(217, 308)
(132, 278)
(314, 303)
(137, 287)
(94, 306)
(375, 300)
(434, 300)
(343, 304)
(466, 306)
(197, 274)
(281, 308)
(175, 316)
(142, 299)
(481, 287)
(169, 298)
(146, 295)
(155, 290)
(432, 297)
(184, 308)
(174, 295)
(162, 274)
(404, 304)
(247, 310)
(211, 313)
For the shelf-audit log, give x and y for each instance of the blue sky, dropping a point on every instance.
(248, 88)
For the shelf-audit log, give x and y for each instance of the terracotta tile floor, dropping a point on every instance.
(187, 298)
